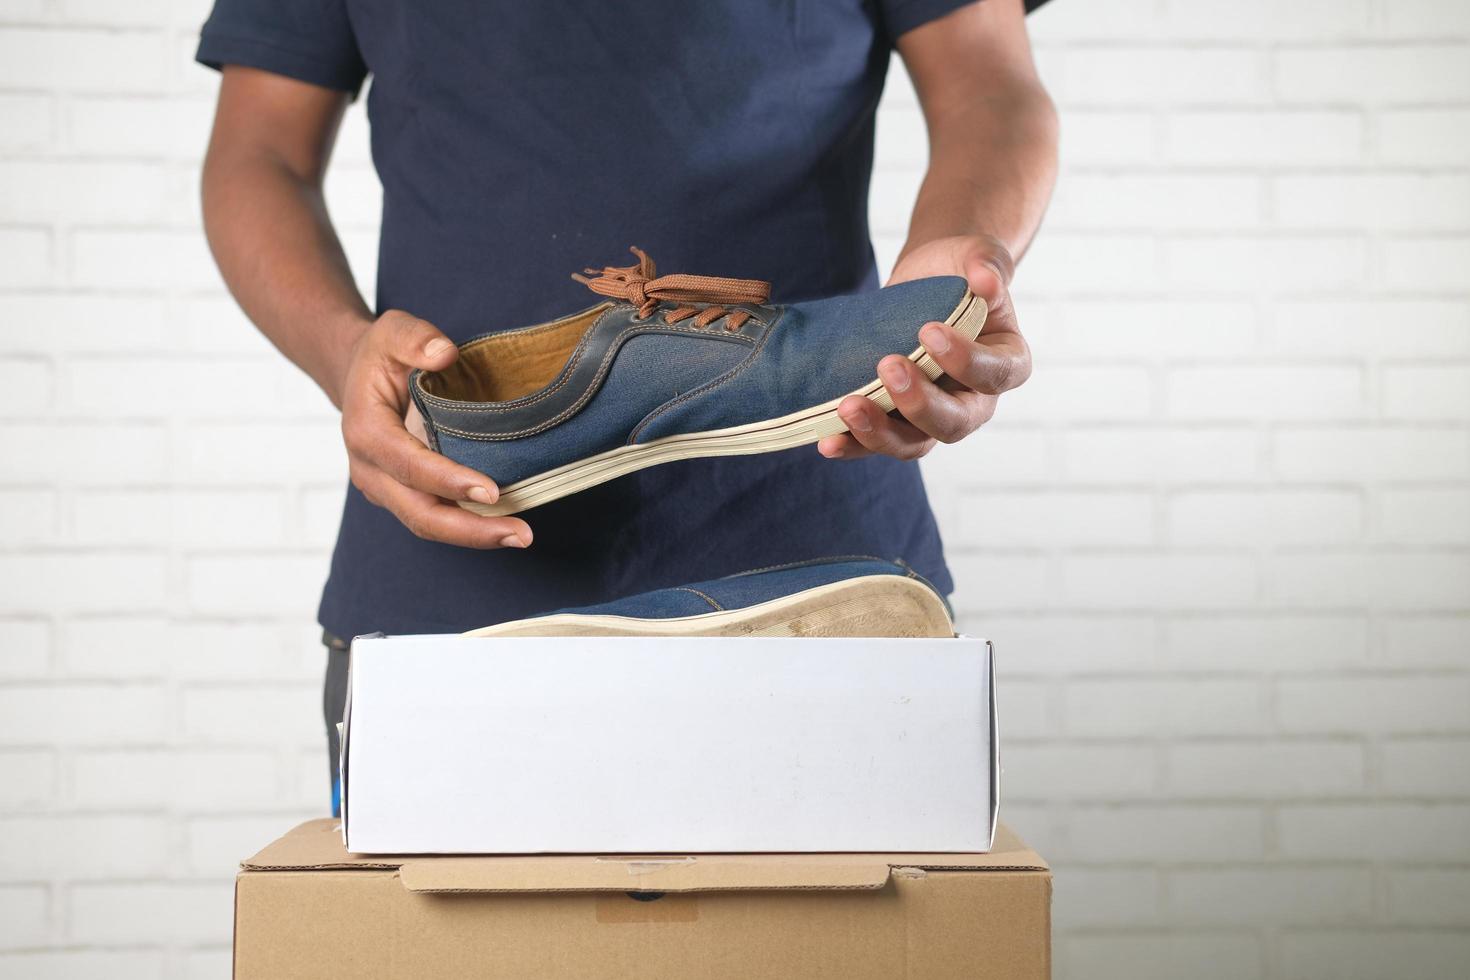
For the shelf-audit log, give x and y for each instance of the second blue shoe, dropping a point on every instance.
(848, 596)
(670, 367)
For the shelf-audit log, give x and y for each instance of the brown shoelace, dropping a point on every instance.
(644, 288)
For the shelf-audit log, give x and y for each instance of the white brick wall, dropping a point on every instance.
(1222, 540)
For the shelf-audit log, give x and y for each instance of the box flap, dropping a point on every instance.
(317, 845)
(314, 845)
(575, 873)
(1008, 853)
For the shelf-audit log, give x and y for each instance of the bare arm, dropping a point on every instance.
(992, 128)
(267, 221)
(992, 164)
(268, 227)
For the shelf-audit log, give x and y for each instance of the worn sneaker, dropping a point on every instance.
(670, 367)
(849, 596)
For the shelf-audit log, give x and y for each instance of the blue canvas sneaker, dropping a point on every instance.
(849, 596)
(670, 367)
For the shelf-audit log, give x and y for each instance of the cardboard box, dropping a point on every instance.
(457, 745)
(306, 908)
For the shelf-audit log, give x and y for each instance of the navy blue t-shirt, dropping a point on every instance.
(518, 143)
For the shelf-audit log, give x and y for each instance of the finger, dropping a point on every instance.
(842, 446)
(989, 364)
(434, 520)
(937, 413)
(879, 432)
(413, 342)
(374, 432)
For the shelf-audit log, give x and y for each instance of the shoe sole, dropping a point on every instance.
(873, 605)
(797, 429)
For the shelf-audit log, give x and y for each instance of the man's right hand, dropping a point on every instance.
(394, 468)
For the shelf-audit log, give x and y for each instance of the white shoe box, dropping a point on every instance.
(467, 745)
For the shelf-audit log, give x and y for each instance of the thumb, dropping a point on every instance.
(416, 343)
(989, 269)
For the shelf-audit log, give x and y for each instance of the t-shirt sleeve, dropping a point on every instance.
(902, 16)
(308, 40)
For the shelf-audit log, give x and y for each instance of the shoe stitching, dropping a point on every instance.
(688, 588)
(910, 571)
(709, 385)
(565, 377)
(592, 387)
(533, 330)
(913, 573)
(633, 327)
(810, 562)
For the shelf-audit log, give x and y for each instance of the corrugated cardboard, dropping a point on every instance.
(306, 908)
(476, 745)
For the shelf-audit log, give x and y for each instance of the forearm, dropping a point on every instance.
(992, 165)
(275, 245)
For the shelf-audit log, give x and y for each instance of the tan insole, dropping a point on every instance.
(507, 366)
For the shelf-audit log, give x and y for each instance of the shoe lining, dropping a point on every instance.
(504, 367)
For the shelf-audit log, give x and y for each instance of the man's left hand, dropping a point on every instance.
(975, 371)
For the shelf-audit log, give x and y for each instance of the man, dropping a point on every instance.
(518, 143)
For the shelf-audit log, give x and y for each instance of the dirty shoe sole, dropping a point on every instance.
(873, 605)
(797, 429)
